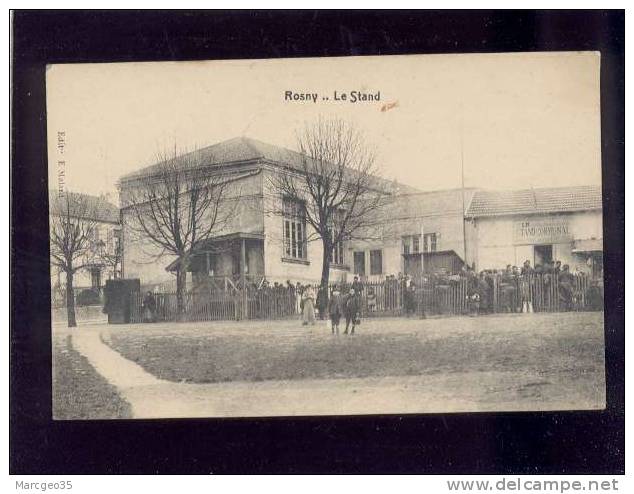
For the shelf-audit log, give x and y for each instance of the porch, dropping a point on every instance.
(225, 262)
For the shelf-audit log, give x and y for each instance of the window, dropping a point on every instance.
(359, 263)
(429, 242)
(416, 244)
(113, 240)
(411, 244)
(116, 238)
(95, 278)
(376, 262)
(406, 245)
(294, 229)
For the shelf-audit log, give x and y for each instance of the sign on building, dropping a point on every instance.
(547, 231)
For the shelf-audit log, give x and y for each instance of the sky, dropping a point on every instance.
(513, 120)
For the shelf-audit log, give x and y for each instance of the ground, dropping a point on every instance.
(505, 362)
(79, 392)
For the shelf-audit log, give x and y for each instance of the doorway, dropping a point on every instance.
(543, 254)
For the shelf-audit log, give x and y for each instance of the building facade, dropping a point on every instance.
(423, 232)
(539, 225)
(102, 259)
(267, 237)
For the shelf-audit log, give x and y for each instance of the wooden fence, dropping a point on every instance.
(429, 296)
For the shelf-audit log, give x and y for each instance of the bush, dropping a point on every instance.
(88, 297)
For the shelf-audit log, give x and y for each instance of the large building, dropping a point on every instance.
(261, 240)
(539, 225)
(438, 231)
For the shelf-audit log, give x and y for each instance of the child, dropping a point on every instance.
(334, 309)
(371, 300)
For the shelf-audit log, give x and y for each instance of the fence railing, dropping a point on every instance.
(392, 297)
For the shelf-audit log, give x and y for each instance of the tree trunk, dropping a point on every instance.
(323, 285)
(181, 285)
(70, 300)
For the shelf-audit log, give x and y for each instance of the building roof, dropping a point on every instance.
(237, 150)
(431, 203)
(534, 201)
(234, 150)
(84, 206)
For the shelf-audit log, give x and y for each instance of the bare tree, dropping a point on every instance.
(73, 222)
(337, 183)
(177, 206)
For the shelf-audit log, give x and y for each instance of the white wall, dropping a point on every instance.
(278, 269)
(495, 246)
(142, 259)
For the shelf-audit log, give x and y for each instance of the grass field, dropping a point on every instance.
(78, 391)
(568, 345)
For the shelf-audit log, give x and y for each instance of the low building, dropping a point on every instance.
(559, 223)
(424, 233)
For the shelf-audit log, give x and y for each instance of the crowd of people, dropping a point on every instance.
(551, 286)
(529, 289)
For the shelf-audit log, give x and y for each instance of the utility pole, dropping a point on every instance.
(464, 231)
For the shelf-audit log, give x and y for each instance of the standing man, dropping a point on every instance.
(410, 299)
(351, 310)
(566, 287)
(335, 309)
(149, 307)
(357, 286)
(525, 287)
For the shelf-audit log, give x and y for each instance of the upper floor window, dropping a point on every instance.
(415, 244)
(95, 278)
(411, 244)
(114, 240)
(430, 242)
(294, 229)
(95, 234)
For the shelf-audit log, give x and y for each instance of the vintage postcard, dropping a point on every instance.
(327, 236)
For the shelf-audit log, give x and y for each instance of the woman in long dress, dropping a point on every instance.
(298, 298)
(308, 312)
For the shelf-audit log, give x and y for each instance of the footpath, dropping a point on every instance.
(151, 397)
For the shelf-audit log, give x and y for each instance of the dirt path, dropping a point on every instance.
(473, 391)
(476, 392)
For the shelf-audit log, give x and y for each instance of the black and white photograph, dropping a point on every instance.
(334, 236)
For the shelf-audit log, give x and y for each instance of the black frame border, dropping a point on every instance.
(484, 443)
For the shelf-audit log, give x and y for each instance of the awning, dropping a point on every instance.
(209, 243)
(588, 245)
